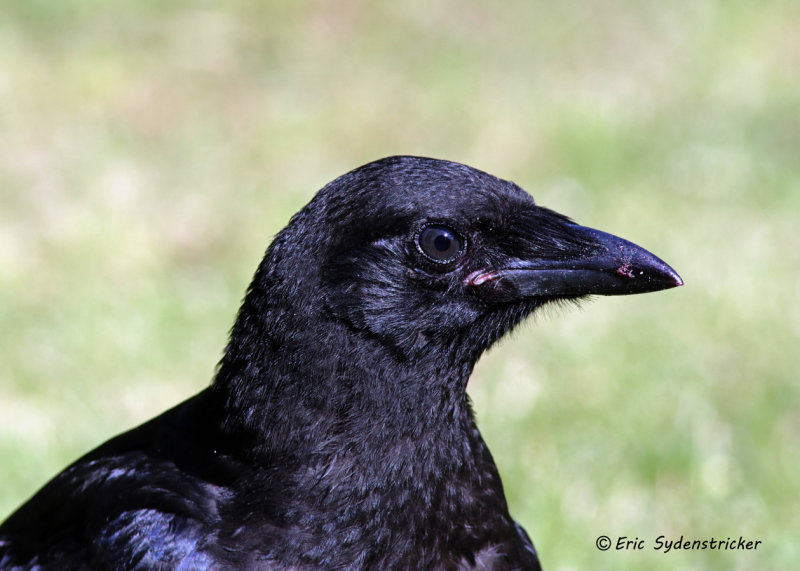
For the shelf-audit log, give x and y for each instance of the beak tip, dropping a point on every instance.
(672, 275)
(655, 274)
(663, 276)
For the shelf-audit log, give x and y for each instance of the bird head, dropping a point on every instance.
(433, 257)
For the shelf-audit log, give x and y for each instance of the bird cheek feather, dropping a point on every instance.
(404, 306)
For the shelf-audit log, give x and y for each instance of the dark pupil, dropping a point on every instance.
(439, 243)
(442, 242)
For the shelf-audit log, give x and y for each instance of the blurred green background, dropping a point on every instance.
(149, 151)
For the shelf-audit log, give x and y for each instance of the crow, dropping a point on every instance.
(337, 432)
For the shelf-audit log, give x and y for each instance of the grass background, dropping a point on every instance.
(151, 150)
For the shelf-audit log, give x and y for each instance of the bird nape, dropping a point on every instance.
(337, 433)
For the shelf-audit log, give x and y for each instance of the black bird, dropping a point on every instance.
(337, 433)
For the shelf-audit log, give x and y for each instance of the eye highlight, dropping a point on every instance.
(440, 244)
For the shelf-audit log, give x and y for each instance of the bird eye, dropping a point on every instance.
(440, 244)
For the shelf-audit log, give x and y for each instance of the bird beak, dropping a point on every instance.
(598, 263)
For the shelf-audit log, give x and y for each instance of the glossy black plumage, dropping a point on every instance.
(337, 433)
